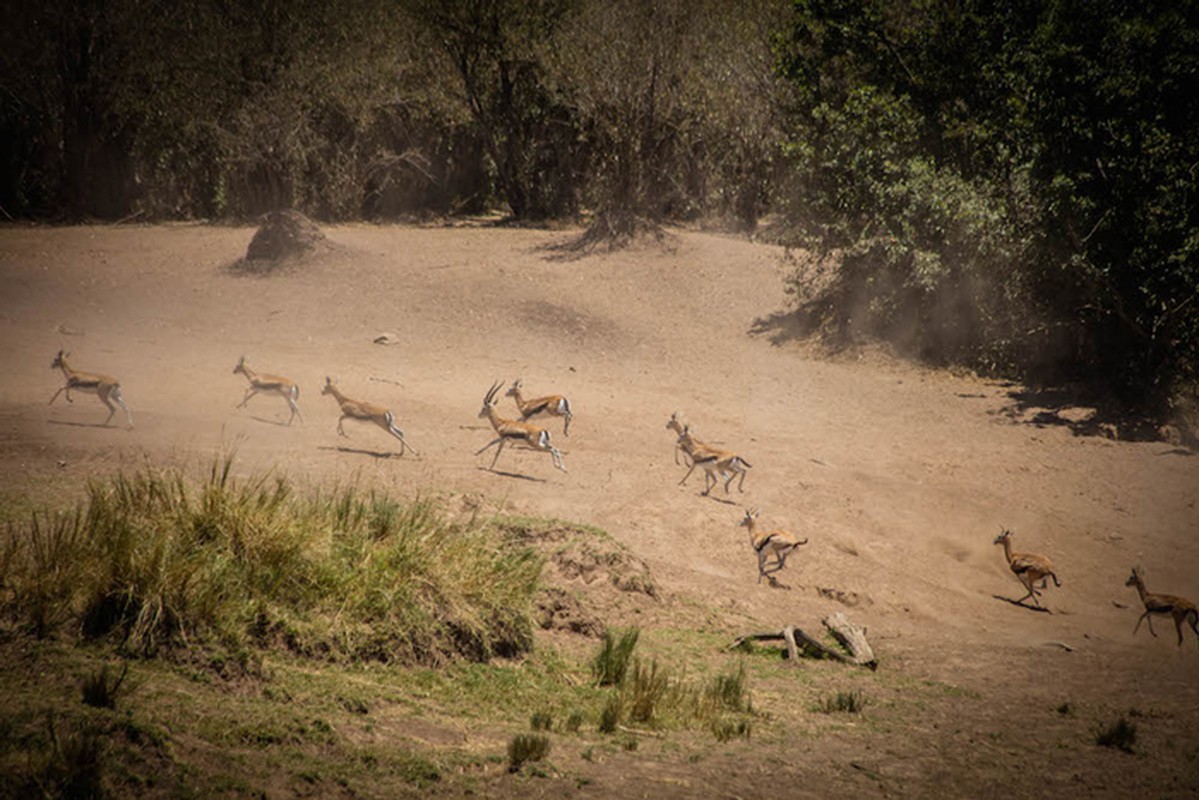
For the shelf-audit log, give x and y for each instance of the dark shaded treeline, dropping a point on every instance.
(1006, 185)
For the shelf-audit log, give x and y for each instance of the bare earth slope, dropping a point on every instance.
(900, 477)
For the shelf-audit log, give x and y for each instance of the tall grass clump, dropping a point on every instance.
(647, 694)
(152, 560)
(100, 689)
(842, 703)
(526, 747)
(612, 661)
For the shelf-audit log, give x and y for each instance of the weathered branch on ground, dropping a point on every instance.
(851, 637)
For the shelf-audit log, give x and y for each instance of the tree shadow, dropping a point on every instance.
(1087, 413)
(516, 475)
(1020, 604)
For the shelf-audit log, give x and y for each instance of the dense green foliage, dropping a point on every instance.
(1006, 185)
(152, 562)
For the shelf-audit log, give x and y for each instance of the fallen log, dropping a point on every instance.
(851, 637)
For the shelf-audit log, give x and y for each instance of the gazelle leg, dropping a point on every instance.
(557, 456)
(249, 393)
(295, 412)
(688, 475)
(498, 450)
(116, 395)
(492, 443)
(341, 430)
(111, 408)
(396, 432)
(1178, 627)
(56, 394)
(1149, 619)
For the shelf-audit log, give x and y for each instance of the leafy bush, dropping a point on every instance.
(996, 189)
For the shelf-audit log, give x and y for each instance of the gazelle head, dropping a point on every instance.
(1003, 537)
(1135, 578)
(514, 388)
(328, 386)
(489, 399)
(241, 365)
(750, 515)
(60, 360)
(675, 423)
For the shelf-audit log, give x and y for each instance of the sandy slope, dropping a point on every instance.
(900, 476)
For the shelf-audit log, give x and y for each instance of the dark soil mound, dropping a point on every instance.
(284, 234)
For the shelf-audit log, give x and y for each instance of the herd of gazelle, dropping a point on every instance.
(1029, 568)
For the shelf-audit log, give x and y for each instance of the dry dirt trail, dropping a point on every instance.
(901, 477)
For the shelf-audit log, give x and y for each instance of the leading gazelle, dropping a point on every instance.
(270, 384)
(716, 463)
(1028, 568)
(554, 404)
(108, 389)
(513, 431)
(777, 543)
(1181, 609)
(365, 412)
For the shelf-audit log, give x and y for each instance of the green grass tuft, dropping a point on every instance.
(100, 690)
(527, 747)
(611, 663)
(843, 703)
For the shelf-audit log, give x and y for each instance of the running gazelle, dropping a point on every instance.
(778, 543)
(365, 412)
(1028, 568)
(269, 384)
(516, 432)
(554, 404)
(715, 462)
(108, 389)
(1181, 609)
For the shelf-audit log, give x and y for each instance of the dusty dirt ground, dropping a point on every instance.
(900, 476)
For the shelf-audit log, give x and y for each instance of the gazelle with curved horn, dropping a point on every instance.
(1027, 567)
(365, 412)
(777, 543)
(269, 384)
(716, 463)
(1181, 609)
(554, 404)
(108, 389)
(516, 432)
